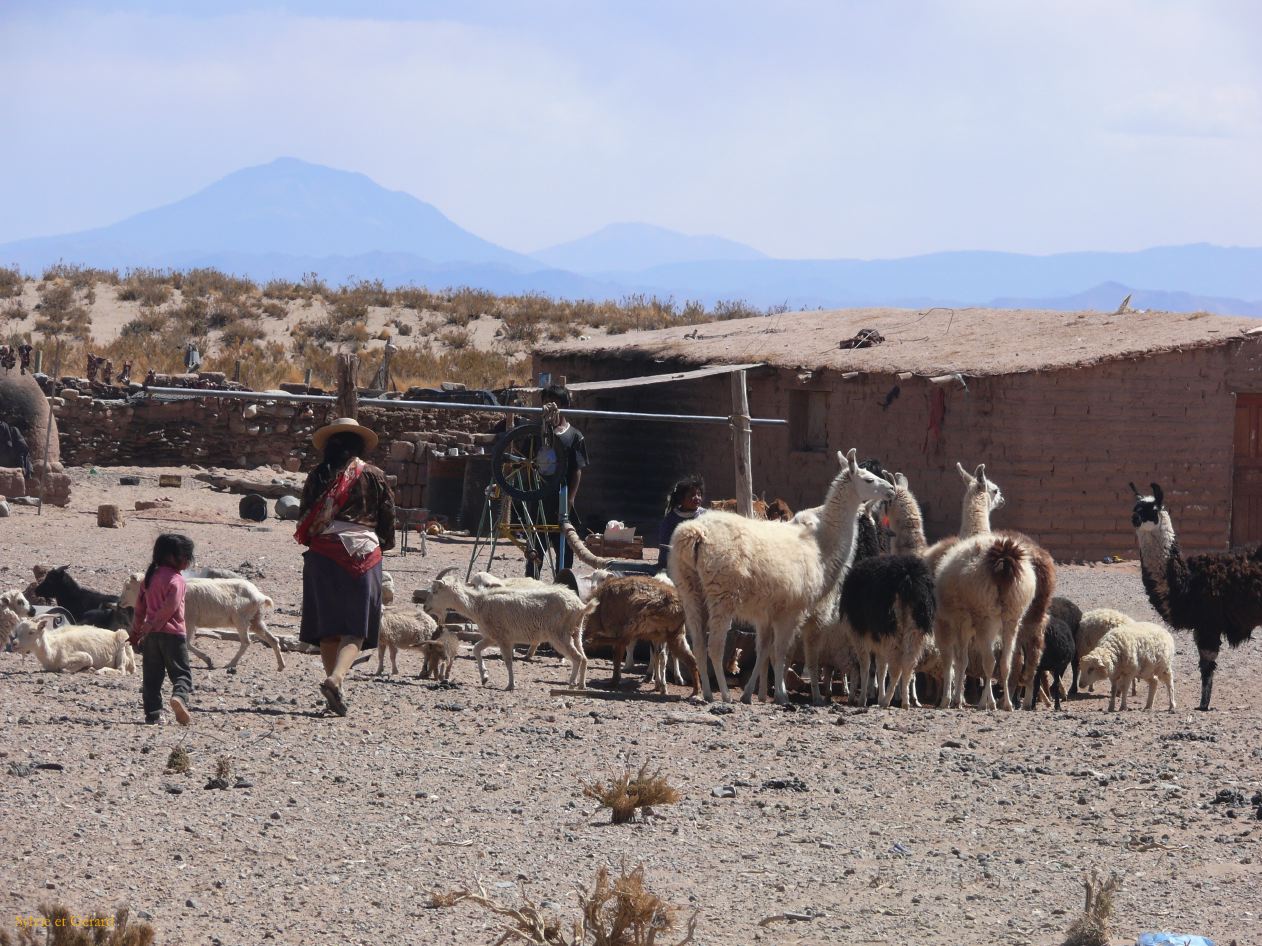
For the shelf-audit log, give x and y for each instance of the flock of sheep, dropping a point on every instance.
(816, 592)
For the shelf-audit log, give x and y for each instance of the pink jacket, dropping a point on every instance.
(160, 608)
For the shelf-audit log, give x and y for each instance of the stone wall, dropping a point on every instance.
(221, 432)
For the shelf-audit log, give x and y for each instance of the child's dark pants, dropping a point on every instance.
(166, 655)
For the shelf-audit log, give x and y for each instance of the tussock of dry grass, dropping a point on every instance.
(1093, 927)
(178, 761)
(627, 793)
(615, 911)
(78, 929)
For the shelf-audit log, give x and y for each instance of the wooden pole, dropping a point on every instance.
(740, 445)
(347, 392)
(48, 430)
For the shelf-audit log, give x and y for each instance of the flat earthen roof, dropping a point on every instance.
(933, 342)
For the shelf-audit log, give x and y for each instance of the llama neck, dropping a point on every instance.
(909, 524)
(1159, 559)
(975, 516)
(838, 525)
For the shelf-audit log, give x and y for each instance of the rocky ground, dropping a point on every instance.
(887, 826)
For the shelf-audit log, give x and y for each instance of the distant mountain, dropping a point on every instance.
(964, 277)
(286, 207)
(1107, 296)
(289, 217)
(629, 247)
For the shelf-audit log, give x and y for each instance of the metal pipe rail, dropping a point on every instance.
(448, 406)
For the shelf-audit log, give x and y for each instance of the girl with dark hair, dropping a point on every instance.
(347, 521)
(683, 503)
(158, 629)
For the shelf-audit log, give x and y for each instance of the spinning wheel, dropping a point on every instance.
(526, 463)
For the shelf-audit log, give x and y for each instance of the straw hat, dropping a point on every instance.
(345, 425)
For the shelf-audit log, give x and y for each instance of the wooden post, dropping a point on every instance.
(39, 360)
(740, 445)
(48, 431)
(236, 370)
(347, 393)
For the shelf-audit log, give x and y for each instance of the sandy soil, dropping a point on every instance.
(913, 826)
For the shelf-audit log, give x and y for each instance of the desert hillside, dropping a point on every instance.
(280, 329)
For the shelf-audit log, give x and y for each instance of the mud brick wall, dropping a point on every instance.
(1061, 444)
(238, 434)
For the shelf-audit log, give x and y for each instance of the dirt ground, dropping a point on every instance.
(908, 827)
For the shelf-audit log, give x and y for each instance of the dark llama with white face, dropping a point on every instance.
(1213, 595)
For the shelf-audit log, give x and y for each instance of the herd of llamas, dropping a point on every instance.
(819, 595)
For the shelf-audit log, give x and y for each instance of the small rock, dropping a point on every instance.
(243, 783)
(20, 769)
(191, 904)
(50, 766)
(722, 709)
(276, 816)
(791, 783)
(723, 791)
(175, 789)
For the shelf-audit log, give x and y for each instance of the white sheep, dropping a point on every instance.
(217, 602)
(505, 616)
(770, 574)
(387, 589)
(402, 629)
(75, 647)
(1130, 652)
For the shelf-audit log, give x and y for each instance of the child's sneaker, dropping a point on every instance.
(180, 710)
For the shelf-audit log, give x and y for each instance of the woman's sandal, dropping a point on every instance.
(333, 698)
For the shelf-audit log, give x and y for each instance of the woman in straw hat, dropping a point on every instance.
(347, 521)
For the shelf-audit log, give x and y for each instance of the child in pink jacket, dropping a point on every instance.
(158, 630)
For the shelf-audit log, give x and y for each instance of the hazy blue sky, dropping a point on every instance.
(806, 129)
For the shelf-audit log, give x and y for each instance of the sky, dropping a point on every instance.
(804, 128)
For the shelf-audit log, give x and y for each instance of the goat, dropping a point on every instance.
(402, 629)
(73, 648)
(639, 607)
(510, 615)
(217, 602)
(69, 594)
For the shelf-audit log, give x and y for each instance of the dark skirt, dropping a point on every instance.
(336, 603)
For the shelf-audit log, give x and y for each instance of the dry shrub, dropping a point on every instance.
(241, 332)
(10, 282)
(206, 282)
(81, 277)
(223, 767)
(274, 310)
(178, 761)
(62, 312)
(148, 322)
(1093, 927)
(456, 339)
(616, 911)
(95, 929)
(263, 366)
(149, 287)
(13, 312)
(627, 793)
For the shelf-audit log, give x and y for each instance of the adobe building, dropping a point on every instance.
(1064, 408)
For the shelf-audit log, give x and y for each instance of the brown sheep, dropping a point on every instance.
(638, 607)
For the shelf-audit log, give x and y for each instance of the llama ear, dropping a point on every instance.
(965, 475)
(851, 458)
(1134, 490)
(980, 473)
(889, 477)
(900, 480)
(1158, 495)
